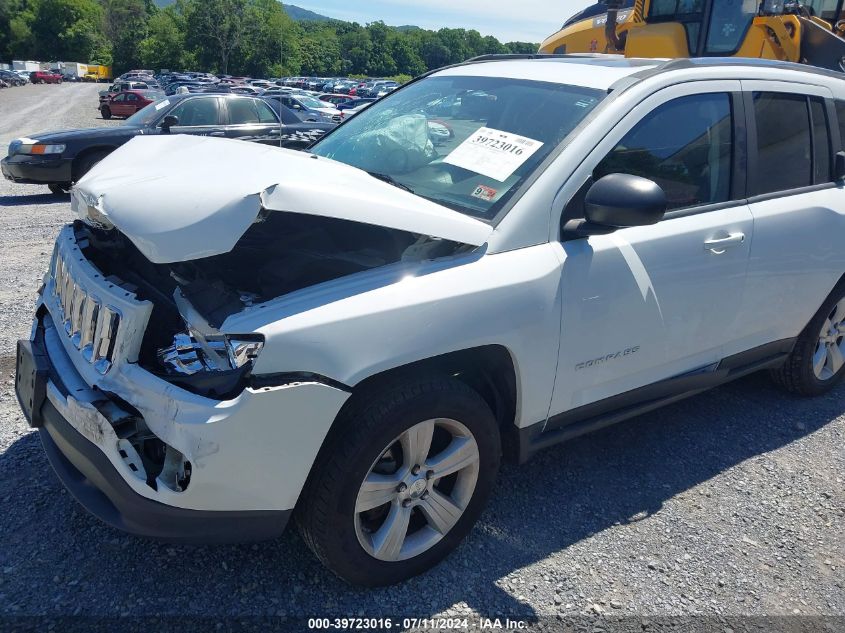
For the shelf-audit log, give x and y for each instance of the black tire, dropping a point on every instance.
(326, 512)
(84, 164)
(59, 188)
(106, 112)
(797, 375)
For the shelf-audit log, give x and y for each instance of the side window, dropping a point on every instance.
(197, 112)
(685, 146)
(784, 157)
(840, 114)
(822, 151)
(265, 113)
(242, 111)
(131, 97)
(119, 98)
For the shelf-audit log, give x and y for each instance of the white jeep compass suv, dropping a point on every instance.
(498, 256)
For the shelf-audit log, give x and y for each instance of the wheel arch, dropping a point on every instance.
(87, 152)
(489, 369)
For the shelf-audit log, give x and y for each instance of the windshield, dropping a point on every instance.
(144, 117)
(464, 142)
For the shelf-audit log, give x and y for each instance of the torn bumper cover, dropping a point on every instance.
(238, 489)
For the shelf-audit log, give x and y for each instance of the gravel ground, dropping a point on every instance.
(731, 503)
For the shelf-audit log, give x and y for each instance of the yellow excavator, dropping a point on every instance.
(809, 32)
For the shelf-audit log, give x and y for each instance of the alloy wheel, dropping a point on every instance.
(829, 356)
(417, 490)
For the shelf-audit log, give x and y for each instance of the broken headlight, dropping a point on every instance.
(214, 366)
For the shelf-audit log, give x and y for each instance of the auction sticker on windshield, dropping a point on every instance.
(493, 153)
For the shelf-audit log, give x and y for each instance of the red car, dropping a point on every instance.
(45, 77)
(127, 103)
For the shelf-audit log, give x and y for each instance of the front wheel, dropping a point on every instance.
(401, 482)
(817, 362)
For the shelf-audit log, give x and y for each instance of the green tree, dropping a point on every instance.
(68, 30)
(217, 29)
(125, 24)
(381, 62)
(164, 45)
(274, 42)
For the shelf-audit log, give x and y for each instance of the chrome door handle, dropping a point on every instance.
(721, 244)
(217, 133)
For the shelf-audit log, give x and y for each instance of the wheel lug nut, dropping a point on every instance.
(406, 503)
(402, 487)
(415, 470)
(424, 495)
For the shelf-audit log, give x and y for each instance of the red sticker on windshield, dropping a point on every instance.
(483, 192)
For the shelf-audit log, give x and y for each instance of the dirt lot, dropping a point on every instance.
(729, 503)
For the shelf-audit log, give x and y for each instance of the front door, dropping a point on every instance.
(651, 303)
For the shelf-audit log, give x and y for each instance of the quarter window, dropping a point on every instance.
(685, 146)
(784, 149)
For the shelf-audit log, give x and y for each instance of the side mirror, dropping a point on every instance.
(168, 122)
(839, 166)
(619, 201)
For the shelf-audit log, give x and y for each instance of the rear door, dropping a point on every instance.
(250, 118)
(799, 217)
(201, 116)
(648, 304)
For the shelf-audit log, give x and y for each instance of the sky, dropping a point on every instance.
(508, 20)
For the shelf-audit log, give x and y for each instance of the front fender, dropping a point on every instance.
(355, 327)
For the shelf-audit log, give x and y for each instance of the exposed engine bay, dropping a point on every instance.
(279, 254)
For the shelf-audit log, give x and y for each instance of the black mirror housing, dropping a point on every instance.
(623, 200)
(618, 201)
(839, 166)
(168, 122)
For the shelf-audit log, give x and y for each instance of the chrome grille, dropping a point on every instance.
(91, 326)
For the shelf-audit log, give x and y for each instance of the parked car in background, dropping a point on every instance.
(3, 84)
(126, 103)
(350, 112)
(59, 159)
(354, 102)
(45, 77)
(11, 78)
(334, 99)
(246, 90)
(120, 86)
(310, 108)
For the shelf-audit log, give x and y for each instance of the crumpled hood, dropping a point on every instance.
(179, 197)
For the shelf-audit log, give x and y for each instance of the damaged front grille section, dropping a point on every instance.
(91, 325)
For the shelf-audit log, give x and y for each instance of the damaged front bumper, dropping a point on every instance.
(231, 470)
(86, 471)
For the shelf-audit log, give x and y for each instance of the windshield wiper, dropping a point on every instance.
(390, 180)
